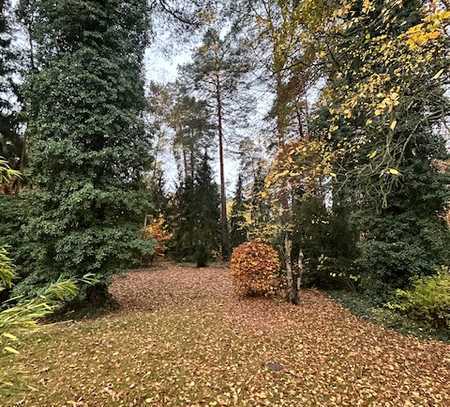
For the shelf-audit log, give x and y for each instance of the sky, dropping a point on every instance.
(161, 66)
(162, 58)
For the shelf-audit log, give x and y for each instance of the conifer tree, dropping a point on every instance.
(238, 233)
(196, 217)
(217, 72)
(11, 142)
(259, 210)
(87, 141)
(183, 220)
(207, 213)
(383, 104)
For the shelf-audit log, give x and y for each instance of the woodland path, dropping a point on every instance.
(180, 338)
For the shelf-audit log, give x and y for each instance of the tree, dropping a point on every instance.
(11, 141)
(259, 208)
(384, 102)
(183, 220)
(156, 186)
(88, 147)
(190, 118)
(196, 218)
(276, 28)
(300, 166)
(207, 213)
(21, 317)
(217, 71)
(238, 233)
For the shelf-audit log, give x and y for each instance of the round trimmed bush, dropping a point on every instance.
(254, 268)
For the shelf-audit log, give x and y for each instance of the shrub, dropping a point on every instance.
(397, 247)
(428, 300)
(254, 268)
(157, 230)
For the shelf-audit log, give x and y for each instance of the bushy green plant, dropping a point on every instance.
(87, 144)
(19, 316)
(396, 247)
(428, 299)
(196, 217)
(328, 241)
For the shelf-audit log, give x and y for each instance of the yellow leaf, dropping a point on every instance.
(10, 336)
(11, 350)
(438, 74)
(394, 171)
(393, 124)
(372, 154)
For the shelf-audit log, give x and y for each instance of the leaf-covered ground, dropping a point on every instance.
(180, 338)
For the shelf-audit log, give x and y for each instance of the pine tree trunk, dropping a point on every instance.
(223, 197)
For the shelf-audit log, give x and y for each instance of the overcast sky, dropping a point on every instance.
(160, 66)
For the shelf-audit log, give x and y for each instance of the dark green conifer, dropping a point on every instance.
(87, 142)
(238, 233)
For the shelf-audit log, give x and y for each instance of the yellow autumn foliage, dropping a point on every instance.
(157, 230)
(301, 163)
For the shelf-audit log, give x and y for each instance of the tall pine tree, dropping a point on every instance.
(217, 71)
(88, 146)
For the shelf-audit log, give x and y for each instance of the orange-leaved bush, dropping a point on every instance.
(157, 230)
(254, 268)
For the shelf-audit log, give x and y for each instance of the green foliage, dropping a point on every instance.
(19, 320)
(196, 217)
(398, 246)
(6, 270)
(238, 232)
(11, 141)
(428, 299)
(373, 308)
(19, 316)
(328, 242)
(258, 206)
(381, 110)
(87, 142)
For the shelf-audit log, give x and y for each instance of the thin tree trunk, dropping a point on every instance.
(292, 276)
(192, 163)
(185, 164)
(300, 270)
(223, 197)
(279, 110)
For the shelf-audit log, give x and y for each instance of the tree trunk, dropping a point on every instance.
(192, 163)
(300, 270)
(223, 197)
(292, 276)
(185, 164)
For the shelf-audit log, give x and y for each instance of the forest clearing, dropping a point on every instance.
(181, 338)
